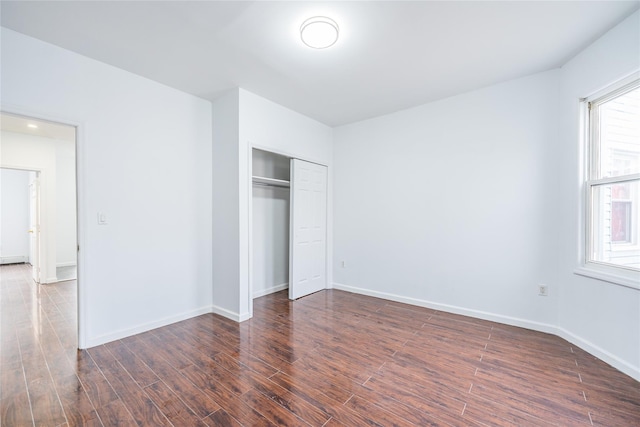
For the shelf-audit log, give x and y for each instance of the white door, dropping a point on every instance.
(308, 236)
(34, 229)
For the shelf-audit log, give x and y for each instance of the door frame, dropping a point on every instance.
(81, 222)
(251, 146)
(35, 211)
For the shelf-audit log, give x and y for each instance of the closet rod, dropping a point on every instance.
(262, 184)
(270, 182)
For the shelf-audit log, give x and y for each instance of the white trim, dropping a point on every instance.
(66, 264)
(20, 259)
(590, 148)
(613, 180)
(271, 290)
(250, 228)
(285, 153)
(82, 235)
(499, 318)
(605, 356)
(123, 333)
(49, 280)
(612, 89)
(616, 278)
(232, 315)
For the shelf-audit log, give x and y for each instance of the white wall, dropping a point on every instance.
(14, 216)
(226, 226)
(145, 161)
(243, 120)
(270, 165)
(270, 261)
(66, 240)
(601, 317)
(451, 204)
(272, 127)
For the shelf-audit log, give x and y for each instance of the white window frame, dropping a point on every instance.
(621, 275)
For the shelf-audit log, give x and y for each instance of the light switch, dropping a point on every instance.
(102, 218)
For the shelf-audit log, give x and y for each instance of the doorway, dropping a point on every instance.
(38, 162)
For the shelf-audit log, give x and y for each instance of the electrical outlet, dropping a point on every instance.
(543, 290)
(344, 264)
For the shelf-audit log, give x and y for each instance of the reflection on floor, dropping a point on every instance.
(329, 359)
(66, 273)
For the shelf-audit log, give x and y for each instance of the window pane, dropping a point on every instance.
(621, 221)
(615, 236)
(620, 135)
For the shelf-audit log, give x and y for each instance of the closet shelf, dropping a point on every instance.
(273, 182)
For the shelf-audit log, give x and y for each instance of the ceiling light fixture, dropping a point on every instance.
(32, 126)
(319, 32)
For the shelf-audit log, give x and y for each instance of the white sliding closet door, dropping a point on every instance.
(308, 236)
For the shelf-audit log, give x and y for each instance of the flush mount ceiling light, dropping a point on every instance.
(319, 32)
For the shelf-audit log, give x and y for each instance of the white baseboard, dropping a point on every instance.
(271, 290)
(236, 317)
(585, 345)
(49, 280)
(66, 264)
(123, 333)
(600, 353)
(14, 259)
(508, 320)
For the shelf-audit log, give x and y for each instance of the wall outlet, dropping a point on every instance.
(344, 264)
(543, 290)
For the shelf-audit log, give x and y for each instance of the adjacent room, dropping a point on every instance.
(38, 174)
(320, 213)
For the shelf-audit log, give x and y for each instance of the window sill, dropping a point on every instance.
(628, 279)
(624, 247)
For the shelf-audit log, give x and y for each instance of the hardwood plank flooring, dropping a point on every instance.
(330, 359)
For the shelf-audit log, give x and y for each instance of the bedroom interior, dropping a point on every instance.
(427, 171)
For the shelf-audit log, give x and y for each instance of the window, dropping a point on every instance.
(613, 178)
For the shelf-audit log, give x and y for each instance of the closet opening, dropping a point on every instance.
(271, 175)
(289, 225)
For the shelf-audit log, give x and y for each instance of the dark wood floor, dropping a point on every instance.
(330, 359)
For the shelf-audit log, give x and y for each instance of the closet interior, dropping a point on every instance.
(270, 210)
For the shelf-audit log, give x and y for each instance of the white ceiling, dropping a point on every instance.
(390, 56)
(19, 124)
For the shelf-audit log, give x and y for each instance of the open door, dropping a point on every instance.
(308, 236)
(34, 228)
